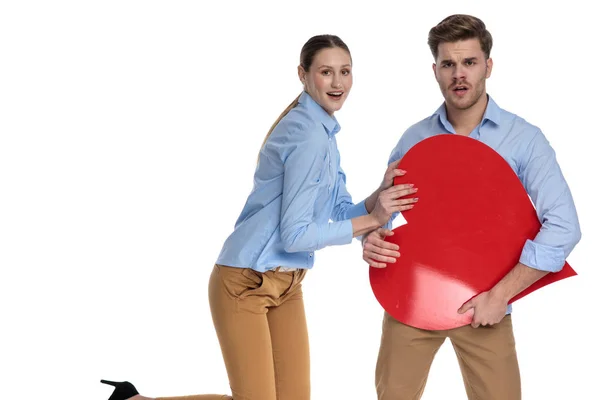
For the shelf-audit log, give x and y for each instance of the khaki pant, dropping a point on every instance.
(487, 358)
(261, 326)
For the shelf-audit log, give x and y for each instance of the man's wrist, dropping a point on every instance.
(500, 293)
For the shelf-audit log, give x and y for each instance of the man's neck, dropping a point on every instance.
(464, 121)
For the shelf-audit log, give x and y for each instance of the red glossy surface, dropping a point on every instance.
(465, 233)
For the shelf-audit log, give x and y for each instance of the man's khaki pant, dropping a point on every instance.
(487, 358)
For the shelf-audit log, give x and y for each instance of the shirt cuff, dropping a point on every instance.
(335, 233)
(356, 210)
(390, 224)
(542, 257)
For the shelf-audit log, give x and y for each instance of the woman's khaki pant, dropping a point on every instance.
(261, 326)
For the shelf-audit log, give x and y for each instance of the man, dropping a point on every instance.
(461, 47)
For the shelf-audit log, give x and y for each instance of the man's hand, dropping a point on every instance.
(488, 309)
(376, 251)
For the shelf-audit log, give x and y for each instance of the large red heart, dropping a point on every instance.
(466, 232)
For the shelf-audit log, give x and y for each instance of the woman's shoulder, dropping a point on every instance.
(299, 126)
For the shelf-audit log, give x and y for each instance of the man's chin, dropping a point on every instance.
(460, 104)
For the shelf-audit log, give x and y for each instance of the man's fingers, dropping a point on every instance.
(379, 257)
(373, 263)
(385, 232)
(378, 241)
(378, 251)
(382, 247)
(465, 307)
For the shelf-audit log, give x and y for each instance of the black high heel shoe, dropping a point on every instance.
(123, 390)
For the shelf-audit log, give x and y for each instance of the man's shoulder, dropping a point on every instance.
(517, 125)
(414, 134)
(421, 129)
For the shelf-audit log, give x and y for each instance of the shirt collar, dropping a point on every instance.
(492, 113)
(319, 114)
(443, 116)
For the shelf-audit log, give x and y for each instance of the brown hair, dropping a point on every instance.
(460, 27)
(307, 55)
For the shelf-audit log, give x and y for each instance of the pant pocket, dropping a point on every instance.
(239, 282)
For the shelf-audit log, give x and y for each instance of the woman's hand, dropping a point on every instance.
(391, 172)
(389, 201)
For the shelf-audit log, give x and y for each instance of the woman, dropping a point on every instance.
(255, 288)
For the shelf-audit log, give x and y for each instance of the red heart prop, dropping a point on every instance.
(466, 232)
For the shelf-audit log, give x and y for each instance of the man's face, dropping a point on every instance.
(461, 70)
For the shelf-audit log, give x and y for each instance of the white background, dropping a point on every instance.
(128, 138)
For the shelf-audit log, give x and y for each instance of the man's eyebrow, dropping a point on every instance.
(467, 59)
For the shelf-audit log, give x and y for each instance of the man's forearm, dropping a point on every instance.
(517, 280)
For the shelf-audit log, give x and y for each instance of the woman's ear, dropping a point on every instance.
(301, 74)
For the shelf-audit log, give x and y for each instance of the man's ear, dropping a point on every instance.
(490, 63)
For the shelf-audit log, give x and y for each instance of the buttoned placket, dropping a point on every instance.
(331, 172)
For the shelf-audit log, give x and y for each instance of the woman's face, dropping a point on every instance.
(329, 78)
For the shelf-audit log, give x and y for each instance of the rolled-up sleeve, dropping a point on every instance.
(560, 232)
